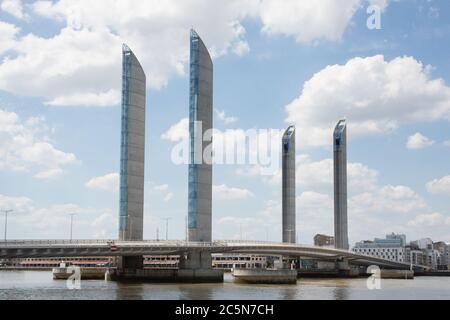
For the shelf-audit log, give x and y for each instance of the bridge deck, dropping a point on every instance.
(67, 248)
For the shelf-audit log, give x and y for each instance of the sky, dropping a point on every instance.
(307, 63)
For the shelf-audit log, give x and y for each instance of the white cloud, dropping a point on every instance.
(419, 141)
(375, 95)
(163, 187)
(49, 174)
(162, 190)
(382, 4)
(313, 200)
(18, 204)
(447, 143)
(104, 219)
(29, 220)
(168, 197)
(387, 200)
(241, 48)
(103, 99)
(75, 66)
(24, 146)
(308, 21)
(439, 186)
(429, 220)
(80, 65)
(223, 117)
(310, 173)
(8, 33)
(178, 131)
(109, 182)
(14, 8)
(223, 192)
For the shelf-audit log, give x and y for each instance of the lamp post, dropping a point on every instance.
(71, 225)
(167, 227)
(6, 221)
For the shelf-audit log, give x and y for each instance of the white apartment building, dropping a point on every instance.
(396, 254)
(391, 248)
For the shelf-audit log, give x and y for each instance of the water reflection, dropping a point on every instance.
(196, 292)
(289, 293)
(340, 293)
(129, 291)
(39, 285)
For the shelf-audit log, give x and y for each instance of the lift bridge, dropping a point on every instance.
(114, 248)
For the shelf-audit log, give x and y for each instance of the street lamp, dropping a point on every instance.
(71, 224)
(6, 221)
(167, 227)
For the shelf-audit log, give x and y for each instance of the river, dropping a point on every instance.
(26, 285)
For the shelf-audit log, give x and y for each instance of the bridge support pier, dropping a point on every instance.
(196, 266)
(344, 269)
(127, 264)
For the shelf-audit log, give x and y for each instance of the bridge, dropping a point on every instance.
(92, 248)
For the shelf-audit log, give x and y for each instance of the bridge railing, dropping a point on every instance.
(50, 242)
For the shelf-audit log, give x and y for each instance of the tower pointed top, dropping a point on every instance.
(194, 33)
(289, 131)
(125, 48)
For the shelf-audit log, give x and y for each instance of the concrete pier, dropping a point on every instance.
(169, 275)
(86, 273)
(194, 267)
(397, 274)
(266, 276)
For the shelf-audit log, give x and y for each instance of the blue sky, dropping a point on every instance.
(275, 64)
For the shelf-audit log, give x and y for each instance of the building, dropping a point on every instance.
(391, 248)
(132, 148)
(340, 185)
(219, 261)
(161, 262)
(288, 192)
(430, 256)
(392, 240)
(238, 261)
(416, 257)
(200, 122)
(444, 255)
(54, 262)
(424, 244)
(321, 240)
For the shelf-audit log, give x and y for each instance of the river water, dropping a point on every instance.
(40, 285)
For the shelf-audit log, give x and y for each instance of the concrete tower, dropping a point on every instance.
(288, 161)
(340, 185)
(132, 148)
(200, 121)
